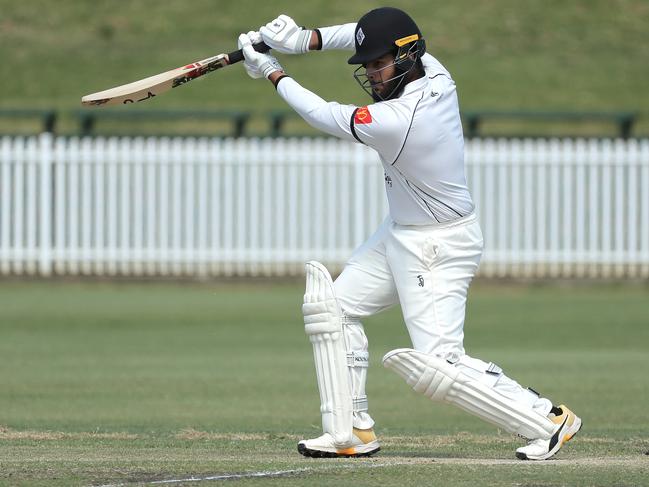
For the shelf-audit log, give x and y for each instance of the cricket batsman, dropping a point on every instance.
(423, 256)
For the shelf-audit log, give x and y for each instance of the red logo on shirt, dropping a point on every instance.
(363, 115)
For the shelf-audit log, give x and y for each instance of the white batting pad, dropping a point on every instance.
(357, 365)
(441, 381)
(323, 325)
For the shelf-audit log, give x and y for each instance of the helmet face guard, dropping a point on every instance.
(405, 60)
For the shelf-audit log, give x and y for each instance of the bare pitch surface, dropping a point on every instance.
(105, 384)
(454, 460)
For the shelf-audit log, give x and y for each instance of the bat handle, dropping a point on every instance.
(236, 56)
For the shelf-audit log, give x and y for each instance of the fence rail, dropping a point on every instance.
(210, 207)
(286, 122)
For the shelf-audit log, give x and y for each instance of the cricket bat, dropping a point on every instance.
(147, 88)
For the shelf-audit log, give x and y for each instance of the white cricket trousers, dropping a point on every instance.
(427, 269)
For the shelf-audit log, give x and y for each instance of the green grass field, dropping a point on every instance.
(107, 383)
(504, 54)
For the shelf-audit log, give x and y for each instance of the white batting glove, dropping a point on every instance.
(257, 64)
(251, 69)
(284, 35)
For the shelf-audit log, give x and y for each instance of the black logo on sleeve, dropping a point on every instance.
(420, 278)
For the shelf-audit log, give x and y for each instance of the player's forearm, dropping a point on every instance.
(314, 110)
(333, 37)
(275, 77)
(315, 44)
(306, 103)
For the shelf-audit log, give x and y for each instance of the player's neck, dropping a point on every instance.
(414, 75)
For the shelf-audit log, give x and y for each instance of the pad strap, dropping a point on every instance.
(358, 358)
(357, 365)
(360, 404)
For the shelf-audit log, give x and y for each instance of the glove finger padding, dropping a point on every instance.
(257, 64)
(254, 36)
(252, 70)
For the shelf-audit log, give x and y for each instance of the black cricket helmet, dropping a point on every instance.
(387, 30)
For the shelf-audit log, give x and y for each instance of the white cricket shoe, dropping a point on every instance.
(364, 444)
(568, 424)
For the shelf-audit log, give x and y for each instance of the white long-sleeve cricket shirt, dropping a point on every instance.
(418, 137)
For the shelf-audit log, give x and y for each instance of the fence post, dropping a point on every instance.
(45, 205)
(6, 161)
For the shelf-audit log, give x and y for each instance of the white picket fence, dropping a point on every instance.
(211, 207)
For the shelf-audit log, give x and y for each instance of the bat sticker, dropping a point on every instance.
(148, 95)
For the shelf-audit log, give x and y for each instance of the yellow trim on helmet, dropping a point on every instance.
(405, 40)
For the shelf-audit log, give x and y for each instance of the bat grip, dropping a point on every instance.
(236, 56)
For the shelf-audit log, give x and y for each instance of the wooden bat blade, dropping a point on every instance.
(147, 88)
